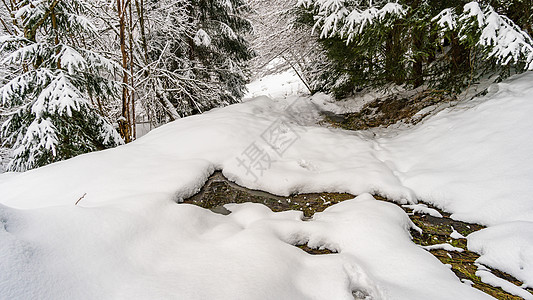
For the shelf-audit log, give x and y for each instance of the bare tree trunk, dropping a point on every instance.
(132, 94)
(459, 55)
(124, 124)
(417, 72)
(289, 61)
(432, 55)
(393, 53)
(140, 15)
(169, 109)
(301, 67)
(56, 39)
(528, 21)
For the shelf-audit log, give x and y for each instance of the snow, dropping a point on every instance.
(510, 43)
(468, 282)
(357, 19)
(276, 86)
(138, 248)
(72, 60)
(487, 277)
(202, 38)
(127, 238)
(472, 159)
(506, 40)
(507, 247)
(443, 246)
(424, 209)
(456, 235)
(44, 130)
(347, 19)
(446, 19)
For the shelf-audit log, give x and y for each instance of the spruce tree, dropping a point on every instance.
(444, 44)
(227, 52)
(49, 96)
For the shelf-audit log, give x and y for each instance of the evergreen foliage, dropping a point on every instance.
(47, 97)
(443, 44)
(173, 58)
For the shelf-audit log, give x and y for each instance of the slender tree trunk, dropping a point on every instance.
(288, 60)
(528, 20)
(394, 54)
(123, 124)
(417, 72)
(140, 14)
(168, 108)
(459, 56)
(56, 38)
(132, 94)
(432, 43)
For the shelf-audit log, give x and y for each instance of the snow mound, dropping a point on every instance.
(473, 159)
(160, 250)
(127, 238)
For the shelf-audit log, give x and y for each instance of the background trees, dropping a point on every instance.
(282, 42)
(54, 81)
(444, 44)
(195, 56)
(76, 73)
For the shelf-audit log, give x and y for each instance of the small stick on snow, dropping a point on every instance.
(80, 199)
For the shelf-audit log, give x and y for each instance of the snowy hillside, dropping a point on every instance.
(128, 239)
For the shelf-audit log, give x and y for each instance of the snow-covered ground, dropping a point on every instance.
(128, 239)
(276, 86)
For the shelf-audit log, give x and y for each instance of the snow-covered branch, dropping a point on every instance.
(338, 18)
(506, 41)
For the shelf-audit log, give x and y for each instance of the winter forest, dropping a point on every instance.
(79, 76)
(305, 149)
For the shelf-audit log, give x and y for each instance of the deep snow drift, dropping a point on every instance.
(128, 239)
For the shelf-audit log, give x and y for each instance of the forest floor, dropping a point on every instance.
(436, 230)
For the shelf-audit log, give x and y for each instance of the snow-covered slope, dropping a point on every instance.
(474, 159)
(128, 239)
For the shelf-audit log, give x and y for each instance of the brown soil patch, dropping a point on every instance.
(389, 110)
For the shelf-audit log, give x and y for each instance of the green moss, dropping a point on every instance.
(463, 266)
(388, 110)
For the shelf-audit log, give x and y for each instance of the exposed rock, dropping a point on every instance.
(389, 110)
(218, 191)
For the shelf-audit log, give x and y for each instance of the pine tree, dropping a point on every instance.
(365, 43)
(50, 94)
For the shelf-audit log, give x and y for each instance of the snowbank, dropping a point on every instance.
(144, 249)
(474, 159)
(176, 159)
(128, 239)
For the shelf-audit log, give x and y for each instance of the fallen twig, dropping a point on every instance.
(80, 199)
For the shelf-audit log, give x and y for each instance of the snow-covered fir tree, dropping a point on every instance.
(445, 44)
(51, 95)
(220, 46)
(496, 34)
